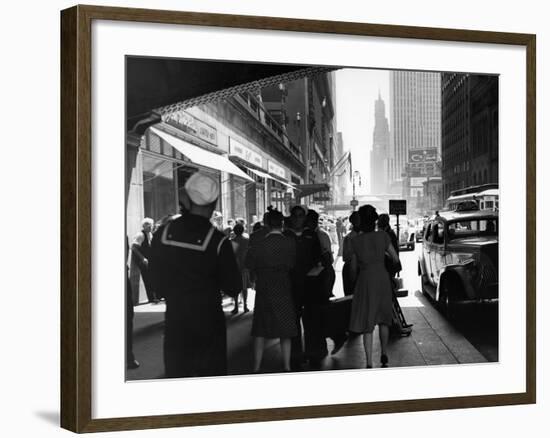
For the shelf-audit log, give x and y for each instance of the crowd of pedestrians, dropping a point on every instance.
(192, 259)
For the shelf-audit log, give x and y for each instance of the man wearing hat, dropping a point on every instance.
(192, 263)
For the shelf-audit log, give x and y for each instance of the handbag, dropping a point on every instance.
(335, 315)
(392, 266)
(397, 283)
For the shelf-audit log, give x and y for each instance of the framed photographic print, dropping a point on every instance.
(295, 211)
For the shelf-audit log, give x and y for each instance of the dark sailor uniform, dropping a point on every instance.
(192, 263)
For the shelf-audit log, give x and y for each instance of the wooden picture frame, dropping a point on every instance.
(76, 217)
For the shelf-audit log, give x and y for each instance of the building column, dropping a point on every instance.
(134, 205)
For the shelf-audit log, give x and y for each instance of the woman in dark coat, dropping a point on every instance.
(347, 253)
(372, 298)
(271, 260)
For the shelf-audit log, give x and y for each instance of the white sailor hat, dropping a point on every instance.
(202, 189)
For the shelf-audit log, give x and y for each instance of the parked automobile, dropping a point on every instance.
(459, 260)
(419, 229)
(407, 233)
(407, 239)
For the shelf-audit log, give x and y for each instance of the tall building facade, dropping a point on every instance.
(341, 173)
(379, 169)
(415, 123)
(306, 110)
(469, 130)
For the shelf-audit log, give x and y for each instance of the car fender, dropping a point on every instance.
(460, 272)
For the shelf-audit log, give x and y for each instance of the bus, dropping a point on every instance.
(485, 196)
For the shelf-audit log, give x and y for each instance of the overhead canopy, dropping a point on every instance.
(156, 83)
(260, 173)
(267, 175)
(201, 156)
(310, 189)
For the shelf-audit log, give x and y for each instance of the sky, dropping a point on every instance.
(356, 92)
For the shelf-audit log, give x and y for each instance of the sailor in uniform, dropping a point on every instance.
(192, 262)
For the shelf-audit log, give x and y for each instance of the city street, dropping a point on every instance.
(473, 338)
(477, 323)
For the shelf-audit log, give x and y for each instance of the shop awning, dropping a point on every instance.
(201, 156)
(310, 189)
(260, 173)
(267, 175)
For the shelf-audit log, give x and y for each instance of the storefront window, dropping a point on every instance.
(277, 196)
(238, 198)
(159, 193)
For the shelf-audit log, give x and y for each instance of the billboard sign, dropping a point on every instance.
(423, 155)
(417, 182)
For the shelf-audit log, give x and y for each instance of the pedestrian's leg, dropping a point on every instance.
(236, 306)
(384, 334)
(285, 350)
(151, 296)
(245, 298)
(367, 343)
(258, 352)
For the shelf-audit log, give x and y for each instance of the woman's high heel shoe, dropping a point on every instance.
(384, 361)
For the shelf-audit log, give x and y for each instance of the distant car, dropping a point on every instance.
(419, 232)
(459, 260)
(406, 238)
(406, 234)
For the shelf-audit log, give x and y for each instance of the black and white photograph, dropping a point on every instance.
(286, 218)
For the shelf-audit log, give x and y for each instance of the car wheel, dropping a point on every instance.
(447, 297)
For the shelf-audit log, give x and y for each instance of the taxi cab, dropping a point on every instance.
(459, 259)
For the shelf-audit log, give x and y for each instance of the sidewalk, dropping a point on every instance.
(433, 340)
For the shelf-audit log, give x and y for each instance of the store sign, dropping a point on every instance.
(275, 169)
(190, 124)
(422, 169)
(244, 153)
(398, 206)
(417, 182)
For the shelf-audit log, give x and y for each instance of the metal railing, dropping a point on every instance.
(252, 104)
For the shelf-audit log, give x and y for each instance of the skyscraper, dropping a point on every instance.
(380, 149)
(469, 113)
(415, 120)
